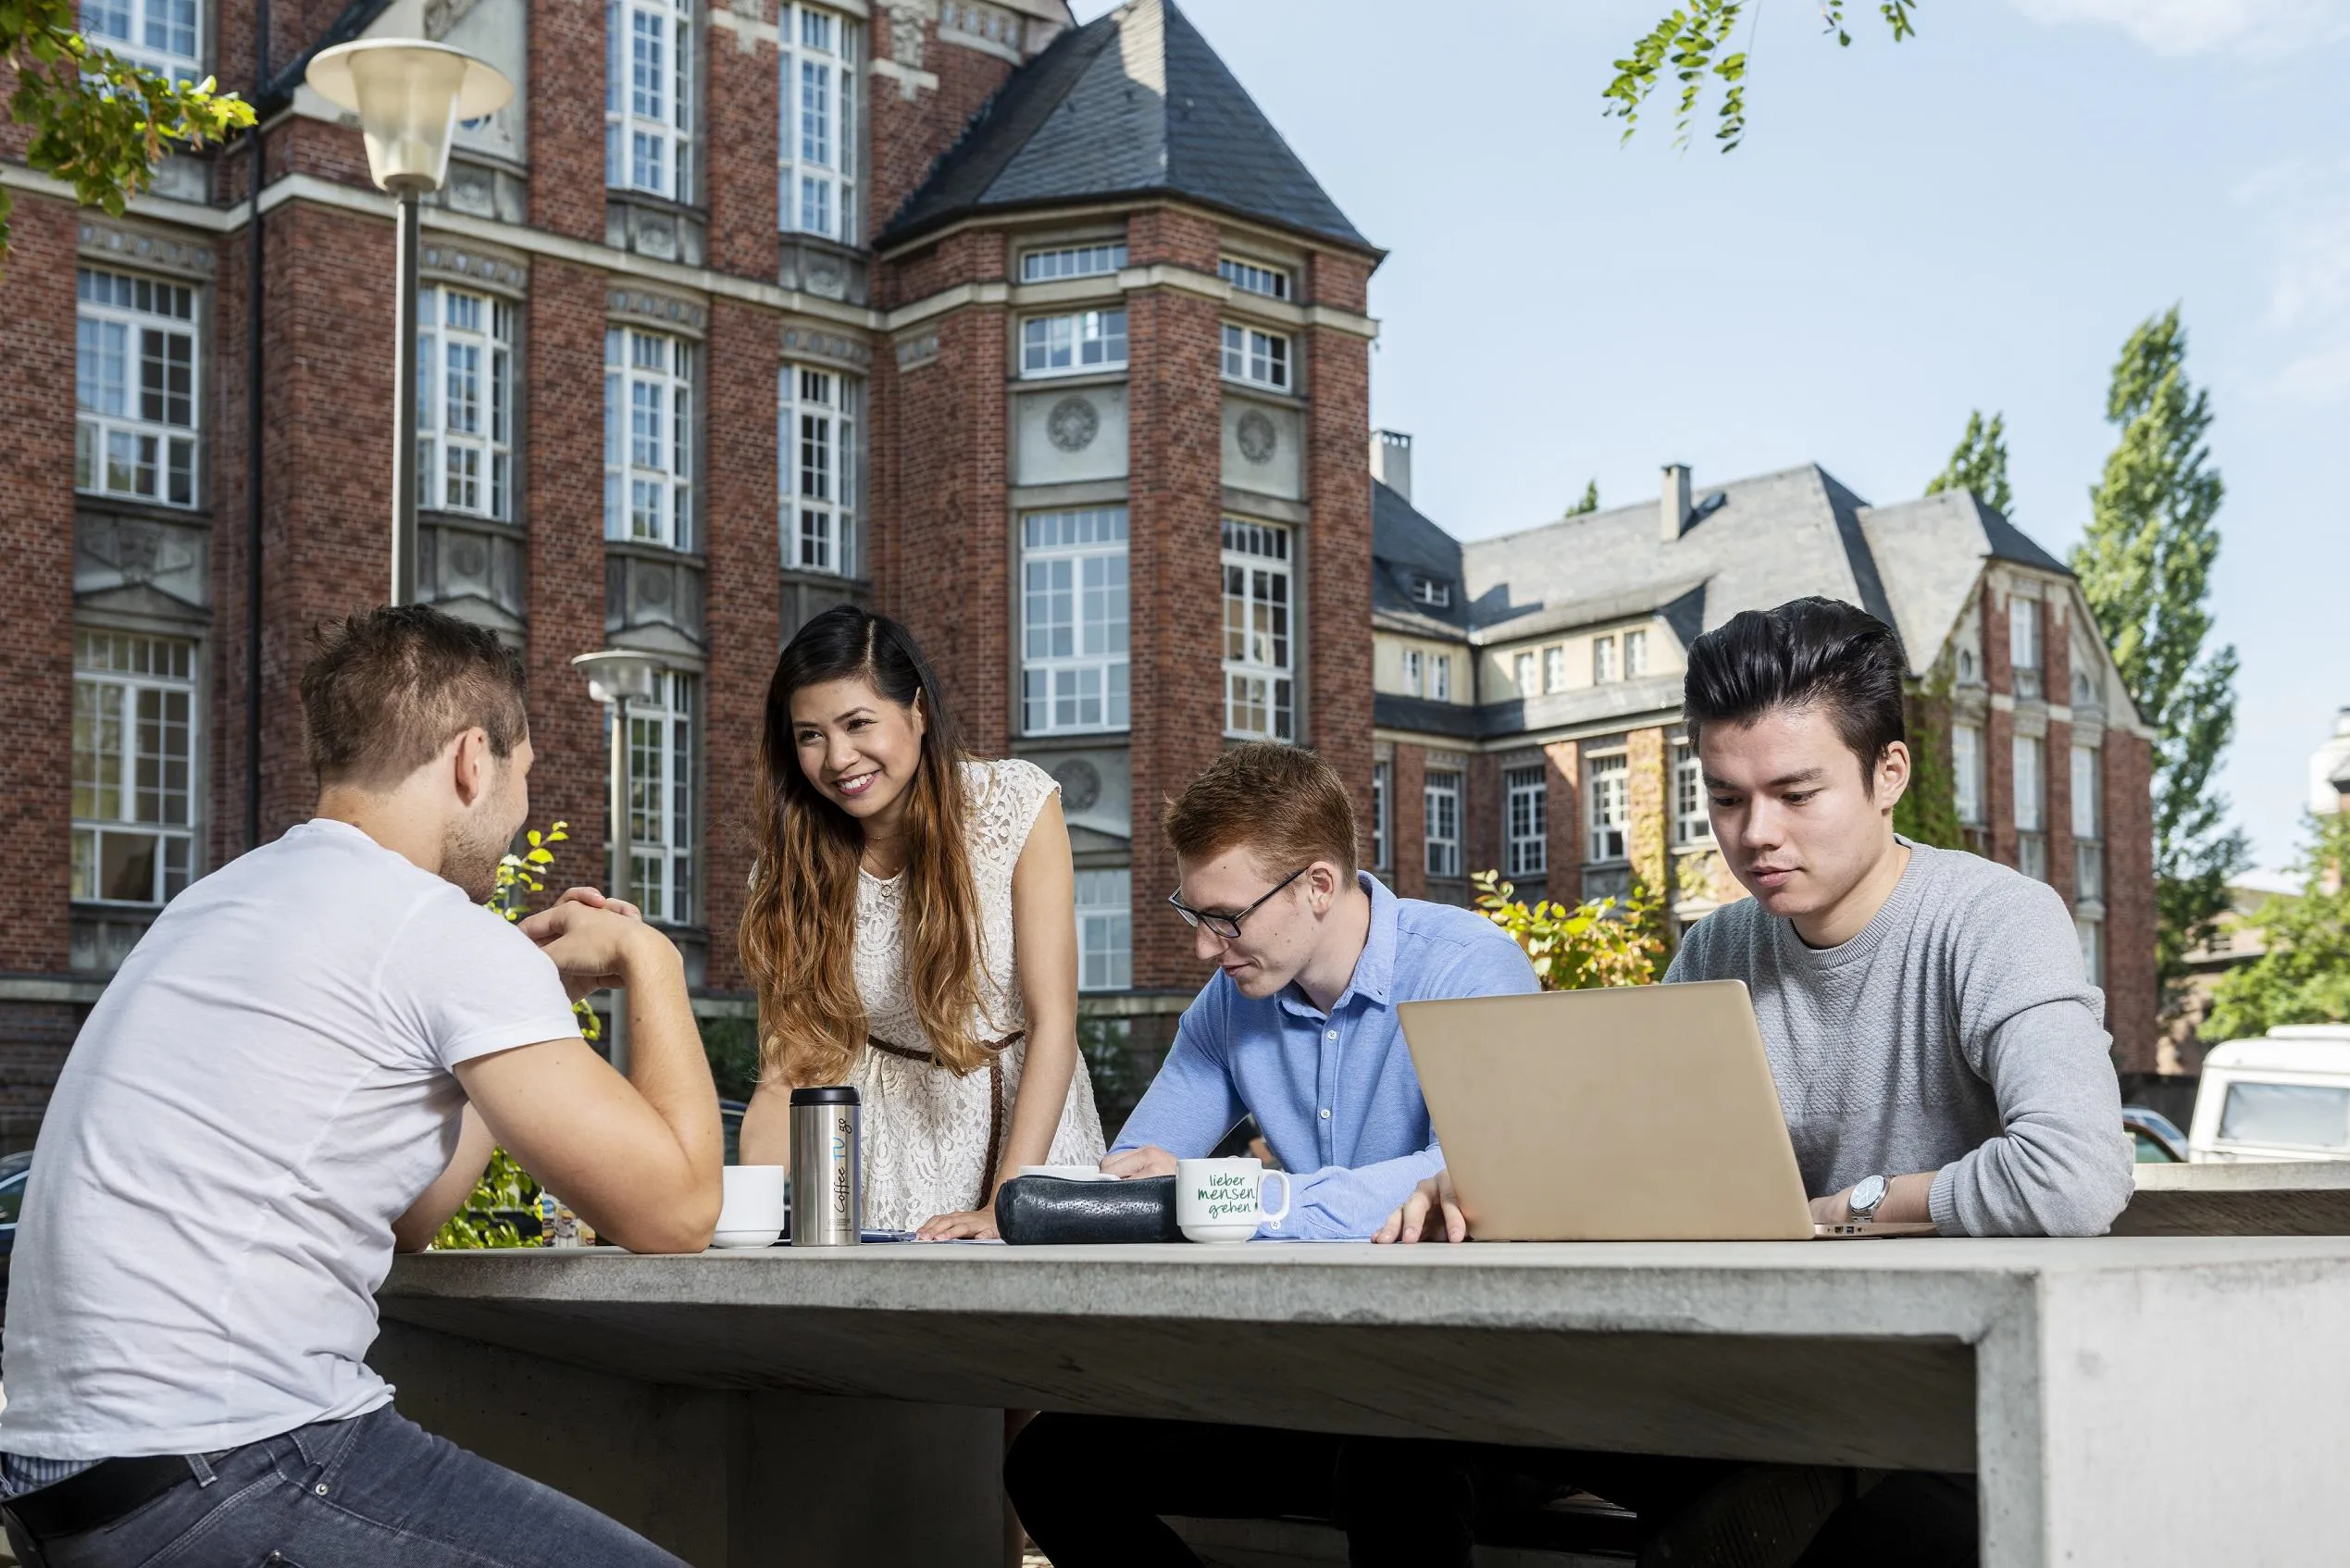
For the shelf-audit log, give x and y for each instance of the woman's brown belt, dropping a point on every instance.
(996, 1110)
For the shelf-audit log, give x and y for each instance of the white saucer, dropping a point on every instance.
(747, 1238)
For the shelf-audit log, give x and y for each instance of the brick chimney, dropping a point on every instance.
(1391, 461)
(1673, 506)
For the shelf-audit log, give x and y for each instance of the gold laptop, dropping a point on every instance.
(1634, 1114)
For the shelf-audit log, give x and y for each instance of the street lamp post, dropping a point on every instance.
(617, 677)
(409, 95)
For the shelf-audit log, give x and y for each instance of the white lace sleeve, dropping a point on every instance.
(1005, 797)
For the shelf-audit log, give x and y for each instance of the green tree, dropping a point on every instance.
(1589, 503)
(1692, 42)
(99, 122)
(1928, 811)
(2145, 564)
(1980, 463)
(2304, 977)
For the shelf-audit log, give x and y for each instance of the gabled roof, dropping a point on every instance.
(1132, 104)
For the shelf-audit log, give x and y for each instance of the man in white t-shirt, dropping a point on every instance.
(302, 1067)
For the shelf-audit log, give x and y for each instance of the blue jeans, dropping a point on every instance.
(375, 1491)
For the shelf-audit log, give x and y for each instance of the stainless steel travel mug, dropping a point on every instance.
(828, 1180)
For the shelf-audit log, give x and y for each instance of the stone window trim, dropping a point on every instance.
(107, 687)
(677, 315)
(820, 458)
(821, 122)
(124, 245)
(154, 354)
(652, 99)
(475, 268)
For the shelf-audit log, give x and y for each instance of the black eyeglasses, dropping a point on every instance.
(1228, 926)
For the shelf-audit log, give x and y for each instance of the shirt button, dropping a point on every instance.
(1331, 1035)
(1325, 1113)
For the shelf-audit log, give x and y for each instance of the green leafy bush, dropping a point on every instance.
(1600, 942)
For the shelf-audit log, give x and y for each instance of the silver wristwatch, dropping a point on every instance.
(1867, 1194)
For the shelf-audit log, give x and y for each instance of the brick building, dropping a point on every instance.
(1528, 697)
(1037, 336)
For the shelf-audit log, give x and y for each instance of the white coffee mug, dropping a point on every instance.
(751, 1212)
(1223, 1199)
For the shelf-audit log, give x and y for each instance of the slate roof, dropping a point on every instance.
(1405, 545)
(1134, 103)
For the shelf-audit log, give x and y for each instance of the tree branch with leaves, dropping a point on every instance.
(1692, 44)
(99, 122)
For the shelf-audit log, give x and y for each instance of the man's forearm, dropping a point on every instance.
(413, 1231)
(666, 1064)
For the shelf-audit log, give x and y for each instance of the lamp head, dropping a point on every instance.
(617, 674)
(409, 95)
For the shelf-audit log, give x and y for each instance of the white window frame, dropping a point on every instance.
(1260, 631)
(1523, 669)
(1440, 792)
(1431, 590)
(1382, 775)
(1636, 654)
(1414, 672)
(665, 799)
(1259, 358)
(2029, 759)
(1073, 343)
(1554, 668)
(649, 98)
(648, 438)
(1102, 258)
(2088, 826)
(2091, 935)
(1440, 676)
(2024, 652)
(1692, 817)
(1608, 790)
(817, 132)
(1966, 769)
(1105, 930)
(132, 694)
(465, 402)
(1075, 625)
(138, 387)
(167, 36)
(1255, 278)
(1604, 667)
(818, 467)
(1525, 809)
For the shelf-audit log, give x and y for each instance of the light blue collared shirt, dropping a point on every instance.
(1335, 1095)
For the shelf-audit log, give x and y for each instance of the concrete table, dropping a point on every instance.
(2145, 1400)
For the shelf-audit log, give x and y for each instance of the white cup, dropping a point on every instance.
(1223, 1199)
(752, 1212)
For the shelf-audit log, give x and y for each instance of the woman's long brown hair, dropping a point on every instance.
(799, 933)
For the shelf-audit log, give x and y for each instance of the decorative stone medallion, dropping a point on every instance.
(1080, 783)
(1257, 437)
(1072, 424)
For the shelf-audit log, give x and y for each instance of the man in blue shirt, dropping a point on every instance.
(1298, 1029)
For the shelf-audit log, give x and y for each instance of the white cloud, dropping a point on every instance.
(2264, 27)
(2304, 207)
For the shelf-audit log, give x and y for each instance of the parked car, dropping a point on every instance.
(2155, 1136)
(2284, 1096)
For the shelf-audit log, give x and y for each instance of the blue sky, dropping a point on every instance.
(1974, 219)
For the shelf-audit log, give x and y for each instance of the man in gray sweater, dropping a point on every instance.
(1939, 1052)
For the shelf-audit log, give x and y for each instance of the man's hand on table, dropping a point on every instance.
(1908, 1199)
(1148, 1161)
(1433, 1197)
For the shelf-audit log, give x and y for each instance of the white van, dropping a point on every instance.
(2286, 1096)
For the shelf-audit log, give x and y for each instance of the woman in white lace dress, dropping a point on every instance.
(911, 932)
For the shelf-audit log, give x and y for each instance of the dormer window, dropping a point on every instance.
(1270, 281)
(1433, 591)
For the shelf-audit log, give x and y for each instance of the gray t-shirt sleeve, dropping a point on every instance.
(2031, 1026)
